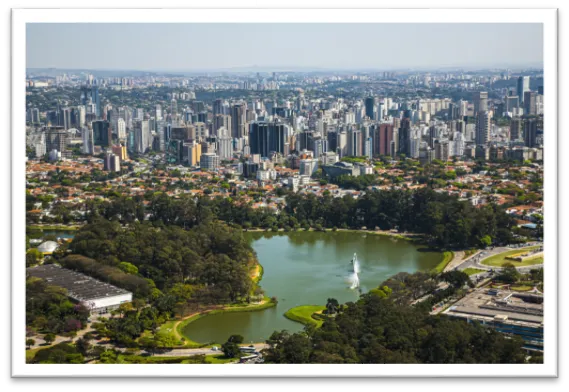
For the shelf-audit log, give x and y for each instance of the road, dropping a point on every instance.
(475, 261)
(182, 352)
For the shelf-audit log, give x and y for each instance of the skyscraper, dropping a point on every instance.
(217, 107)
(531, 126)
(238, 120)
(121, 129)
(370, 107)
(102, 135)
(516, 129)
(221, 121)
(88, 140)
(65, 118)
(522, 87)
(530, 103)
(90, 96)
(511, 102)
(383, 135)
(483, 125)
(355, 143)
(267, 137)
(404, 136)
(141, 136)
(224, 144)
(480, 100)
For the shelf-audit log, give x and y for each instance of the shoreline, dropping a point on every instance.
(178, 325)
(403, 236)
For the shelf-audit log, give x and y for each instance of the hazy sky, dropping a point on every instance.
(333, 46)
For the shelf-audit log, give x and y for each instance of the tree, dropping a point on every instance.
(149, 344)
(49, 338)
(230, 349)
(509, 274)
(485, 241)
(30, 342)
(332, 306)
(83, 346)
(128, 268)
(238, 339)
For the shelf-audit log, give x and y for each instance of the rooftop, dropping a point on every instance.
(80, 287)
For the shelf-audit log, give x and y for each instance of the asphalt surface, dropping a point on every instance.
(475, 261)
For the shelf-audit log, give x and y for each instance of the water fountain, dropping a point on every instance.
(354, 278)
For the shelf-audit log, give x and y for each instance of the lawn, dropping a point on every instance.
(31, 353)
(303, 314)
(447, 258)
(472, 271)
(219, 358)
(521, 288)
(500, 259)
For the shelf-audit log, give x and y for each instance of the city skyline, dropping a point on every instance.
(324, 46)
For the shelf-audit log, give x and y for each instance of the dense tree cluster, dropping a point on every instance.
(49, 311)
(446, 221)
(212, 257)
(375, 329)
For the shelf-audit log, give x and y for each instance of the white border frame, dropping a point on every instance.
(546, 16)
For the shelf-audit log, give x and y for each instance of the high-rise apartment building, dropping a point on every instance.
(483, 126)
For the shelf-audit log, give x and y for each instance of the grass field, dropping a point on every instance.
(500, 259)
(53, 227)
(521, 288)
(472, 271)
(303, 314)
(31, 353)
(447, 258)
(219, 358)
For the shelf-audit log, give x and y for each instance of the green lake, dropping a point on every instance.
(306, 268)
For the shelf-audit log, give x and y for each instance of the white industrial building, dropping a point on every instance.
(97, 296)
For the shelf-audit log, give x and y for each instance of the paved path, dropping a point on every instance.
(456, 261)
(475, 261)
(200, 351)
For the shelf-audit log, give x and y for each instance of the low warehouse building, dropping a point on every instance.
(97, 296)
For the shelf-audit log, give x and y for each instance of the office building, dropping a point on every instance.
(90, 98)
(267, 137)
(530, 103)
(239, 120)
(88, 140)
(531, 126)
(522, 87)
(370, 107)
(480, 102)
(355, 143)
(142, 136)
(102, 133)
(516, 129)
(511, 102)
(221, 121)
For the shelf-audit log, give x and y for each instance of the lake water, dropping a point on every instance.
(306, 268)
